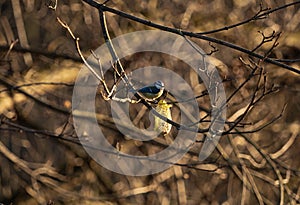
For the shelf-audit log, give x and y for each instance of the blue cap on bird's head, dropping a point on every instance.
(152, 91)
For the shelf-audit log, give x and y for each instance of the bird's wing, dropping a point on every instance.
(149, 89)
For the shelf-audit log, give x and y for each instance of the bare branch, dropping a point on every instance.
(192, 34)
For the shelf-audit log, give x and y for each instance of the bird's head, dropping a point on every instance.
(159, 85)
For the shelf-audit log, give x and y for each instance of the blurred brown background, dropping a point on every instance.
(38, 167)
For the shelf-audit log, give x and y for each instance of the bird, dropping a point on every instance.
(152, 91)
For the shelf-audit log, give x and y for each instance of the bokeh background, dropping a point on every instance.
(41, 159)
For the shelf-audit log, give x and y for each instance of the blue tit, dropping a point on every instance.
(153, 91)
